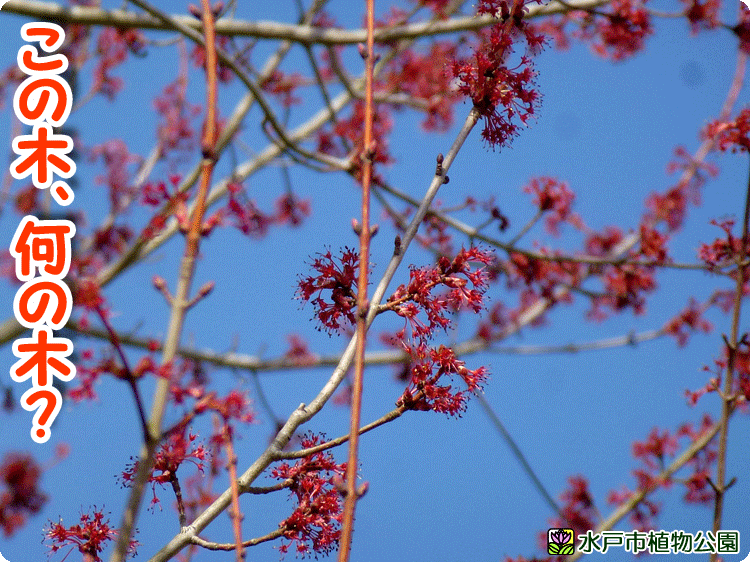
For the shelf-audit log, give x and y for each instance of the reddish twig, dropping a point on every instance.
(235, 514)
(363, 304)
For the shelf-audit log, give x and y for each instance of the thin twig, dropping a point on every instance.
(180, 300)
(367, 157)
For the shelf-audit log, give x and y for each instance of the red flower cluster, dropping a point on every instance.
(299, 352)
(741, 387)
(235, 405)
(602, 244)
(425, 310)
(654, 454)
(419, 76)
(89, 370)
(742, 366)
(347, 137)
(554, 196)
(315, 525)
(170, 456)
(20, 495)
(731, 135)
(689, 320)
(643, 516)
(622, 33)
(702, 15)
(283, 86)
(112, 47)
(625, 286)
(466, 287)
(502, 95)
(176, 131)
(541, 277)
(578, 510)
(428, 370)
(116, 158)
(722, 251)
(653, 243)
(252, 221)
(339, 276)
(89, 536)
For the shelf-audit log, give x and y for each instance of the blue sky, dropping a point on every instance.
(440, 489)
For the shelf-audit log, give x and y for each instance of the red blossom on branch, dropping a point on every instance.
(741, 386)
(425, 308)
(347, 138)
(174, 452)
(428, 372)
(542, 277)
(689, 320)
(337, 279)
(112, 48)
(235, 405)
(742, 29)
(198, 56)
(291, 210)
(418, 75)
(315, 525)
(601, 244)
(431, 294)
(654, 453)
(554, 198)
(578, 511)
(503, 95)
(653, 243)
(731, 135)
(284, 86)
(299, 351)
(116, 158)
(621, 33)
(176, 131)
(89, 536)
(625, 287)
(246, 215)
(722, 251)
(20, 496)
(702, 16)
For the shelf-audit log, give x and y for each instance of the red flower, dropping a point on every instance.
(689, 320)
(315, 525)
(422, 78)
(731, 135)
(175, 451)
(556, 199)
(20, 495)
(722, 251)
(339, 277)
(89, 536)
(503, 96)
(622, 33)
(578, 510)
(427, 388)
(283, 86)
(702, 16)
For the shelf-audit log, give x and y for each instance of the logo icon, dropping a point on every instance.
(560, 541)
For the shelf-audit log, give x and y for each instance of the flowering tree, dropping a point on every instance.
(270, 141)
